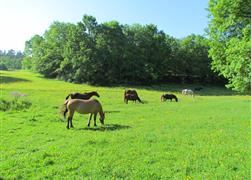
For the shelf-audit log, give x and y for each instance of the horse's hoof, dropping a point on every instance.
(67, 127)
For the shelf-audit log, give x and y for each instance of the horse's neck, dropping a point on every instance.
(92, 94)
(101, 113)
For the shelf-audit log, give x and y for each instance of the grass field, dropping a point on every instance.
(205, 137)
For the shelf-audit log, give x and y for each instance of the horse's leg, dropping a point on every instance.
(68, 123)
(95, 116)
(71, 115)
(89, 120)
(71, 123)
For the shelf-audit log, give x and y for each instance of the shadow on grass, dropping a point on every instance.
(207, 90)
(8, 79)
(112, 111)
(107, 127)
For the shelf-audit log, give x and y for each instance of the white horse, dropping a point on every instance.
(187, 92)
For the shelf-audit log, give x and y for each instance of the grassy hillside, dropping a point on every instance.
(207, 136)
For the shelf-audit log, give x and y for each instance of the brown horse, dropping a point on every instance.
(164, 97)
(91, 106)
(131, 95)
(84, 96)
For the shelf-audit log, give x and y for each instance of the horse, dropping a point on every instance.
(131, 97)
(129, 91)
(91, 106)
(164, 97)
(84, 96)
(187, 92)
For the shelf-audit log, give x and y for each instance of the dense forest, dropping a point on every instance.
(10, 60)
(110, 53)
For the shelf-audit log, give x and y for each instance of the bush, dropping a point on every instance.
(4, 105)
(16, 103)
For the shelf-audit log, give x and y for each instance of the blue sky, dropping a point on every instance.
(21, 19)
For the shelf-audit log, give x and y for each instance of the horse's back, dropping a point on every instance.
(131, 91)
(84, 106)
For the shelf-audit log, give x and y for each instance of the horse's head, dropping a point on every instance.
(102, 118)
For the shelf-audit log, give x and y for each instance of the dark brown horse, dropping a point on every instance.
(129, 91)
(164, 97)
(91, 106)
(84, 96)
(131, 95)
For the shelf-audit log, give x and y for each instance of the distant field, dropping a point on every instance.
(205, 137)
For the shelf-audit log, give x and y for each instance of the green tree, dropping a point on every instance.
(33, 53)
(195, 61)
(11, 59)
(230, 42)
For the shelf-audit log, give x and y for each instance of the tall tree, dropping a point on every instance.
(33, 53)
(230, 32)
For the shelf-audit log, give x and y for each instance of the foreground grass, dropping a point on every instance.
(203, 137)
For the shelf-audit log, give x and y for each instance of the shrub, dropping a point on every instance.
(16, 103)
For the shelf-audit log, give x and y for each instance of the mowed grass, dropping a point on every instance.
(205, 137)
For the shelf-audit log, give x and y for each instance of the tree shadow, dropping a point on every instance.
(8, 79)
(106, 127)
(207, 90)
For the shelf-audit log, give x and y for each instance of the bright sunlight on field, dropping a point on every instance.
(205, 137)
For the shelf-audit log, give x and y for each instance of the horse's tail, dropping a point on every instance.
(67, 96)
(66, 109)
(162, 98)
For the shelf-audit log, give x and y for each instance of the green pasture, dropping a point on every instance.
(205, 137)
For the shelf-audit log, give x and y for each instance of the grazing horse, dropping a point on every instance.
(91, 106)
(131, 95)
(129, 91)
(187, 92)
(164, 97)
(84, 96)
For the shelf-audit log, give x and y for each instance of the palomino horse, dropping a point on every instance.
(131, 95)
(84, 96)
(164, 97)
(91, 106)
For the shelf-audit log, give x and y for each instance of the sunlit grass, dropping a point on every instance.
(205, 137)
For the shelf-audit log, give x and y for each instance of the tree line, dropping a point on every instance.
(110, 53)
(10, 59)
